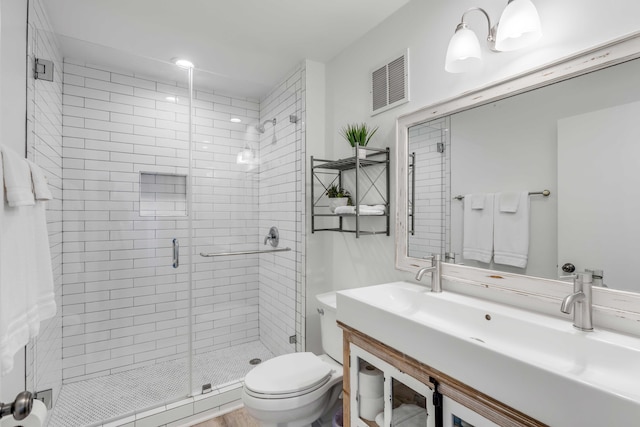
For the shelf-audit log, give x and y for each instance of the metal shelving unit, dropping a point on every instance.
(370, 180)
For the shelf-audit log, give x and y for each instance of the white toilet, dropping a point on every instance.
(294, 390)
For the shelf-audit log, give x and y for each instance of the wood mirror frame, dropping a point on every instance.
(613, 309)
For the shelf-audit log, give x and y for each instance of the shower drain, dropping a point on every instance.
(255, 361)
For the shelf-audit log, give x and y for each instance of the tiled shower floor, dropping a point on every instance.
(94, 401)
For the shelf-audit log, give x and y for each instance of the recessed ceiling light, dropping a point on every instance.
(235, 120)
(183, 63)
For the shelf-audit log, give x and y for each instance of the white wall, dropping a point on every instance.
(318, 270)
(425, 28)
(13, 29)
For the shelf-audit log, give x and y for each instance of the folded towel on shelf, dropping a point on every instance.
(17, 179)
(477, 241)
(40, 184)
(345, 210)
(372, 209)
(363, 210)
(509, 201)
(511, 230)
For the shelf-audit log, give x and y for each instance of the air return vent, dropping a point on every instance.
(390, 84)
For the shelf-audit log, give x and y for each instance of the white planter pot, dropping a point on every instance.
(362, 153)
(334, 202)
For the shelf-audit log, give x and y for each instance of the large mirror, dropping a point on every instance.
(533, 182)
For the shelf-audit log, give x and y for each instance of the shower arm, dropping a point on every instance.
(261, 126)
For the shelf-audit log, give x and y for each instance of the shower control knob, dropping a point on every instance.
(568, 268)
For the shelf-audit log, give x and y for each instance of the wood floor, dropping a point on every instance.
(237, 418)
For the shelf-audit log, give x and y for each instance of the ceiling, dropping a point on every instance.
(243, 47)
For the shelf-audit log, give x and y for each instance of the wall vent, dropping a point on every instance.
(390, 84)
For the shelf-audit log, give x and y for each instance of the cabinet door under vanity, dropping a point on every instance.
(381, 380)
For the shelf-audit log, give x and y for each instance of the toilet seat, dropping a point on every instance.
(288, 376)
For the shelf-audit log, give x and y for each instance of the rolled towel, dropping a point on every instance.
(17, 179)
(40, 184)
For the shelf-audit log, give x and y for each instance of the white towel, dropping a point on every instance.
(372, 209)
(26, 278)
(511, 230)
(363, 210)
(477, 200)
(509, 201)
(477, 242)
(17, 179)
(345, 210)
(40, 184)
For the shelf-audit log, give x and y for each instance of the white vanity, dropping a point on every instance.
(506, 365)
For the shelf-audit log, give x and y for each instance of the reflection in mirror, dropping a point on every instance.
(428, 212)
(578, 139)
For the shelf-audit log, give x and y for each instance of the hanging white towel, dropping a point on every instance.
(40, 184)
(17, 179)
(26, 278)
(509, 201)
(477, 242)
(511, 229)
(477, 200)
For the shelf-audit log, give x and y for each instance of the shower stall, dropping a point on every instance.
(167, 288)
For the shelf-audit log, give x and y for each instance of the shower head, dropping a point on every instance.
(260, 128)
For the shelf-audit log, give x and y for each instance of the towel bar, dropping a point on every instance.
(204, 254)
(544, 193)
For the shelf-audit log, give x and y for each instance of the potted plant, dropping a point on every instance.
(358, 135)
(337, 197)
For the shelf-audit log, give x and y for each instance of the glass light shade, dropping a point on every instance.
(519, 26)
(463, 53)
(247, 157)
(184, 63)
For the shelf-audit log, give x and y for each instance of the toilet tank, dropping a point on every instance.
(330, 333)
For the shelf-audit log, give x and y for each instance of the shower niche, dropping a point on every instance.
(163, 194)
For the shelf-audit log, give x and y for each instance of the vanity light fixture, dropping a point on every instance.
(235, 120)
(519, 26)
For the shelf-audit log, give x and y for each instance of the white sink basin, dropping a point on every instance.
(537, 364)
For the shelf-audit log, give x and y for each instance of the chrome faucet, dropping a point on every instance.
(436, 284)
(580, 301)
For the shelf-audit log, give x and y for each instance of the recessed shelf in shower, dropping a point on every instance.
(163, 194)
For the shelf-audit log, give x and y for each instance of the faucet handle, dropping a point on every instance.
(273, 237)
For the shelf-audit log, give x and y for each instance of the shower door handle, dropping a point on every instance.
(176, 253)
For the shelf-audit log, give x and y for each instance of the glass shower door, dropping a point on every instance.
(124, 308)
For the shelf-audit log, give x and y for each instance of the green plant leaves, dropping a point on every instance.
(358, 134)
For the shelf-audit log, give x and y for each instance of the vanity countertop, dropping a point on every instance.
(535, 363)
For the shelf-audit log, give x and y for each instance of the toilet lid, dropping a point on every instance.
(288, 374)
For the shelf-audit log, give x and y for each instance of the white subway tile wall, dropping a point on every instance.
(124, 305)
(44, 146)
(281, 200)
(431, 188)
